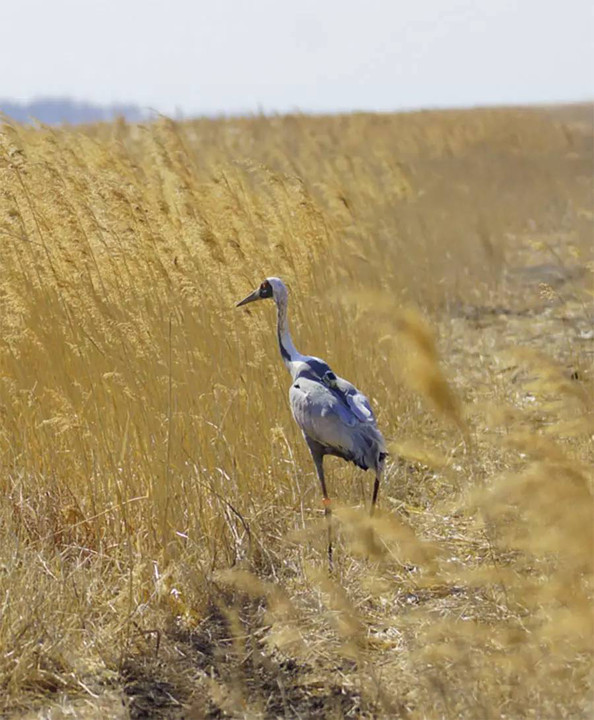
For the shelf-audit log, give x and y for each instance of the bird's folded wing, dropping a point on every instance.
(322, 415)
(356, 401)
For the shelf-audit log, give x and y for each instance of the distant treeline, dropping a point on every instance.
(54, 111)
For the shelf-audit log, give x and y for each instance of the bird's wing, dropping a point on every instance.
(338, 419)
(353, 398)
(356, 401)
(322, 415)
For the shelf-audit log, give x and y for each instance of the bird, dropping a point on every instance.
(334, 416)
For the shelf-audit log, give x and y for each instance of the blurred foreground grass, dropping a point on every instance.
(159, 517)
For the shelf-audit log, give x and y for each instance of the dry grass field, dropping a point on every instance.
(161, 532)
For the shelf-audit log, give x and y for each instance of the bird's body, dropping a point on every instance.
(335, 417)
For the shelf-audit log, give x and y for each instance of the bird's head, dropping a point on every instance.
(272, 287)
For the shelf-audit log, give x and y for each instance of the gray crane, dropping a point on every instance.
(335, 418)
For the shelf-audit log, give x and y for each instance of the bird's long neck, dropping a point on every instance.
(287, 349)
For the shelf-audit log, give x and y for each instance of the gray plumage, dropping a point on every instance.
(335, 417)
(334, 414)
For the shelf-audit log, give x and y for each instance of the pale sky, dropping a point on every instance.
(310, 55)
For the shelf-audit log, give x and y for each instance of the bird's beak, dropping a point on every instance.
(250, 298)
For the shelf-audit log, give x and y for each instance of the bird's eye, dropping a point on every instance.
(265, 289)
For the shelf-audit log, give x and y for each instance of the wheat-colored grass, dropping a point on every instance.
(160, 527)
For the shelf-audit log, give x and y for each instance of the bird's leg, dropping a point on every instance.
(376, 484)
(317, 454)
(327, 508)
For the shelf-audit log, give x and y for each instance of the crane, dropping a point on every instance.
(335, 418)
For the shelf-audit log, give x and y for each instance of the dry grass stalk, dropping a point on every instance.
(146, 445)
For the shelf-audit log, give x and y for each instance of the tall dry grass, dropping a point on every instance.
(154, 489)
